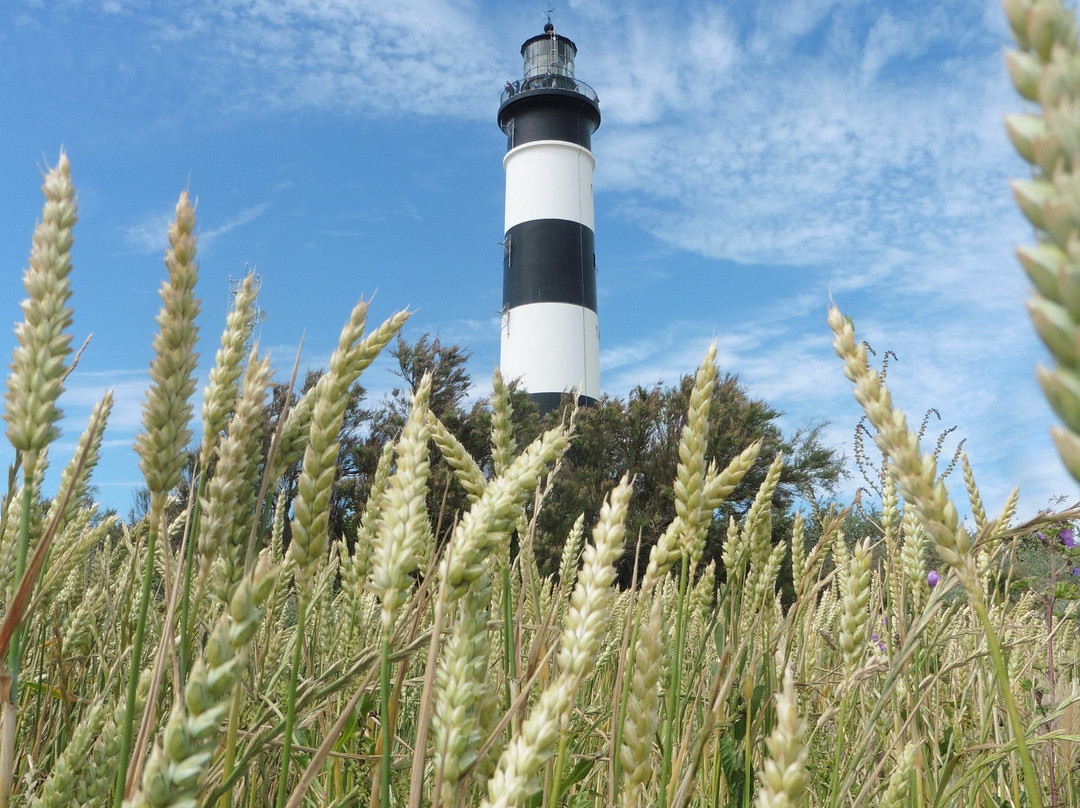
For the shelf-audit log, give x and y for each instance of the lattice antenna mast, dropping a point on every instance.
(258, 314)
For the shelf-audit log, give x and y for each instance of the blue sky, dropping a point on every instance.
(754, 160)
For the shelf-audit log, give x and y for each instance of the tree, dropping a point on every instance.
(356, 460)
(178, 497)
(367, 429)
(450, 384)
(640, 436)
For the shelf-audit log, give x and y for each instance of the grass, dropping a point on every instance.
(194, 659)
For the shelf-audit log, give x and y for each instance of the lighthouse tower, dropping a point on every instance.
(550, 332)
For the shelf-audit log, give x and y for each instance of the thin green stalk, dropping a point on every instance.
(15, 650)
(508, 637)
(10, 709)
(39, 696)
(560, 762)
(135, 662)
(748, 744)
(627, 678)
(384, 718)
(185, 596)
(231, 735)
(1001, 674)
(673, 705)
(290, 701)
(841, 723)
(716, 773)
(1051, 679)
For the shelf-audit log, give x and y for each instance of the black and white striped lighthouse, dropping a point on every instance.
(550, 332)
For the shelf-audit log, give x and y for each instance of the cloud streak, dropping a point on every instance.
(150, 234)
(245, 216)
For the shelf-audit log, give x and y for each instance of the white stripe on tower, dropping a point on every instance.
(550, 332)
(549, 179)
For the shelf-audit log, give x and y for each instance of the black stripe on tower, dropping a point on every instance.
(549, 261)
(553, 114)
(547, 402)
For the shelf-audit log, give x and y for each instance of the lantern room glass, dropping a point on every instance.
(552, 55)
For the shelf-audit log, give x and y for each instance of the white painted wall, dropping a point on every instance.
(553, 347)
(549, 179)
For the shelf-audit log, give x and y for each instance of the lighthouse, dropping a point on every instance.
(550, 331)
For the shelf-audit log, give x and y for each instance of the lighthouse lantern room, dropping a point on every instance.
(550, 332)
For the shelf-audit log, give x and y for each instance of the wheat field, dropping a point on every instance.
(197, 658)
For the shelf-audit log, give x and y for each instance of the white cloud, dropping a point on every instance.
(150, 234)
(416, 56)
(245, 216)
(781, 23)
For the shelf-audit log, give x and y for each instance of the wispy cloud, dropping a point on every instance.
(245, 216)
(150, 234)
(425, 56)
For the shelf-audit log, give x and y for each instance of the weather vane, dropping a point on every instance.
(549, 11)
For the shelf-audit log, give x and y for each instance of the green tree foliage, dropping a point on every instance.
(367, 427)
(450, 382)
(356, 461)
(640, 436)
(450, 387)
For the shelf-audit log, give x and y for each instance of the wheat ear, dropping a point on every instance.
(178, 764)
(227, 505)
(503, 444)
(643, 709)
(403, 526)
(1043, 70)
(220, 394)
(685, 535)
(514, 779)
(37, 364)
(465, 468)
(489, 521)
(167, 410)
(166, 418)
(922, 490)
(784, 777)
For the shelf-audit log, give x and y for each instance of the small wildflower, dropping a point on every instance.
(1075, 571)
(1067, 538)
(932, 577)
(1040, 536)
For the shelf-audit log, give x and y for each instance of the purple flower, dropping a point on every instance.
(1076, 571)
(1041, 536)
(1067, 537)
(932, 577)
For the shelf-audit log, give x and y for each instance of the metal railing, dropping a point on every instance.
(550, 81)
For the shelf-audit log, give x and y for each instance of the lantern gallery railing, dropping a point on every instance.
(550, 81)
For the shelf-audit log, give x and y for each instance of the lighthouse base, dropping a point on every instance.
(553, 348)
